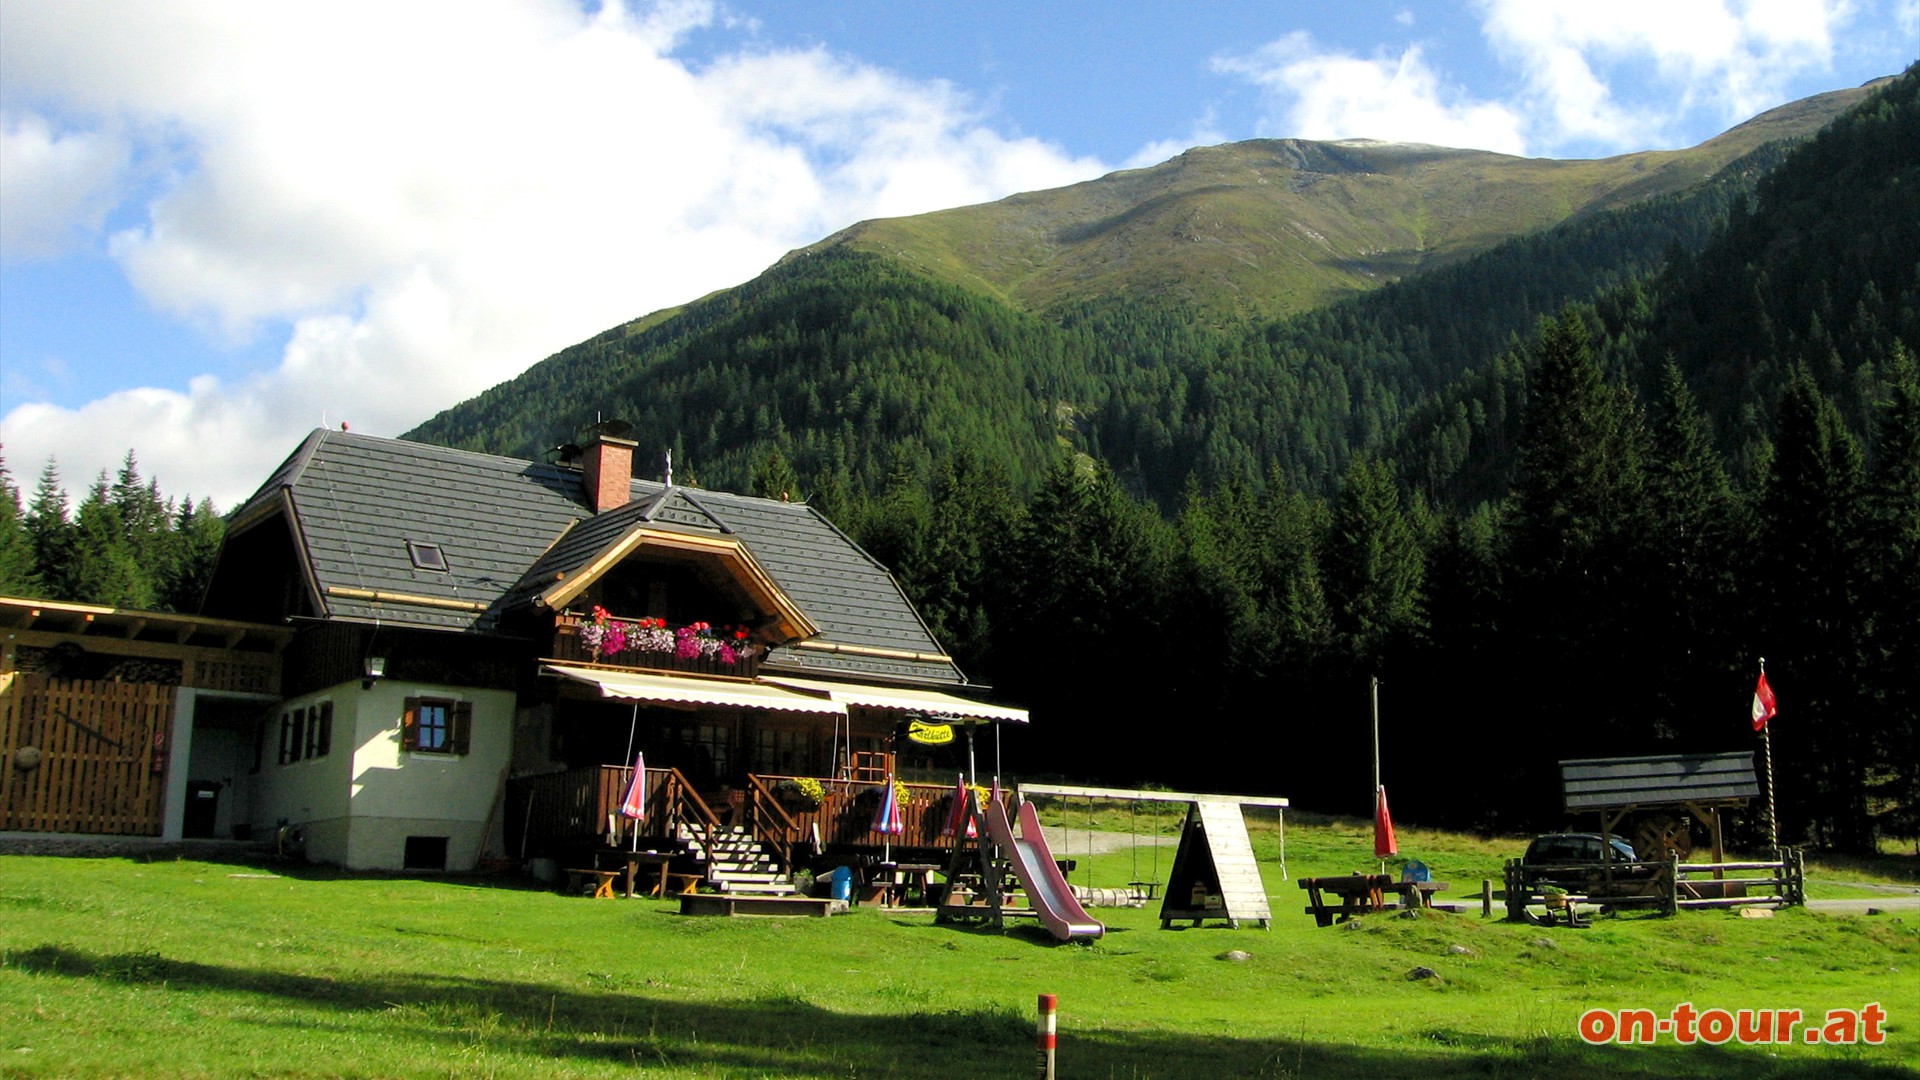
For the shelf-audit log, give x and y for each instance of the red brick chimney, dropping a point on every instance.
(607, 467)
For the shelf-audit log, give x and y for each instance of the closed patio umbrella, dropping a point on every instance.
(959, 812)
(634, 806)
(887, 820)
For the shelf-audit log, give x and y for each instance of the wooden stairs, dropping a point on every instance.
(745, 878)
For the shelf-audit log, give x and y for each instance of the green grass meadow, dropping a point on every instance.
(118, 967)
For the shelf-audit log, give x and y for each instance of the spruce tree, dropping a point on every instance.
(1375, 564)
(18, 574)
(50, 534)
(1892, 537)
(1809, 606)
(1693, 545)
(106, 568)
(1578, 509)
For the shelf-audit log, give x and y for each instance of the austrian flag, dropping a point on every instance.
(1763, 704)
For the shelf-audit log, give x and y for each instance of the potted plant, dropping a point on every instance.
(801, 792)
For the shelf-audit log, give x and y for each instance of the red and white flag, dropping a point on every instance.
(1763, 704)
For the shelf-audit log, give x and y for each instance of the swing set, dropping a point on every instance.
(1214, 873)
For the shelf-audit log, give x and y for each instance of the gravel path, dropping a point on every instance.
(1065, 841)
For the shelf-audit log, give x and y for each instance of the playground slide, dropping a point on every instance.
(1046, 887)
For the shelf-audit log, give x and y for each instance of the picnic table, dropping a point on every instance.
(1361, 894)
(662, 861)
(890, 883)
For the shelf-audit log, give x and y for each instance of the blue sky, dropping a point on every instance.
(225, 223)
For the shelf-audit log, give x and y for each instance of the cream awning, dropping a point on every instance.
(931, 702)
(634, 686)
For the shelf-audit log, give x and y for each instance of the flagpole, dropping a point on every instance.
(1375, 692)
(1766, 743)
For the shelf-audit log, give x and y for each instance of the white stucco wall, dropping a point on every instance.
(310, 794)
(393, 793)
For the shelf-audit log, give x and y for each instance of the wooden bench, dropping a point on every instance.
(676, 884)
(730, 904)
(1361, 894)
(597, 882)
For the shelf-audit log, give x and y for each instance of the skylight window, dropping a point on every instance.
(427, 556)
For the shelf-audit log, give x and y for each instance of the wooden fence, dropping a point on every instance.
(81, 756)
(1667, 886)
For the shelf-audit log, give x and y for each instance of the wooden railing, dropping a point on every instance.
(567, 646)
(770, 822)
(582, 806)
(845, 816)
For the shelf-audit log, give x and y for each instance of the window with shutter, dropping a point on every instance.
(297, 739)
(322, 729)
(437, 726)
(460, 732)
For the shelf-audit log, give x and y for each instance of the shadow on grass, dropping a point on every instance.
(787, 1036)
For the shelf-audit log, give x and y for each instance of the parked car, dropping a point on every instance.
(1574, 862)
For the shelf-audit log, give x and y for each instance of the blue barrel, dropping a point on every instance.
(840, 884)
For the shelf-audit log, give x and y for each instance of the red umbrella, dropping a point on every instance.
(959, 812)
(1383, 841)
(635, 804)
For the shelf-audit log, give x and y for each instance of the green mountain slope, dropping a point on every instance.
(1064, 318)
(1823, 273)
(1273, 227)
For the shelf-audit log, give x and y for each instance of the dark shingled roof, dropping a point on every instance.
(1614, 783)
(505, 525)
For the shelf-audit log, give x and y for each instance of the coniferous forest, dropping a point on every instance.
(123, 545)
(1559, 498)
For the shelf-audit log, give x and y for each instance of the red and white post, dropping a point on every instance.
(1044, 1034)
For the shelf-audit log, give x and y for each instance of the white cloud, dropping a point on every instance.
(1592, 78)
(425, 198)
(54, 187)
(1621, 73)
(1330, 95)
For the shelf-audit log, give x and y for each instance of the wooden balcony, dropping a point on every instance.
(557, 812)
(567, 646)
(551, 813)
(844, 817)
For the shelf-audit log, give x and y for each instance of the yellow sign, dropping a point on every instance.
(927, 734)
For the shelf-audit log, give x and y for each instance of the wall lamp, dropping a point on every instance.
(376, 670)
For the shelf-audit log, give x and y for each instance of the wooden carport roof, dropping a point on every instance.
(1658, 780)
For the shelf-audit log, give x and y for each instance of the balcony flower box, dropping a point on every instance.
(697, 648)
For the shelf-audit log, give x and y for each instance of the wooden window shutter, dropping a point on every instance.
(410, 725)
(286, 737)
(459, 727)
(260, 741)
(323, 729)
